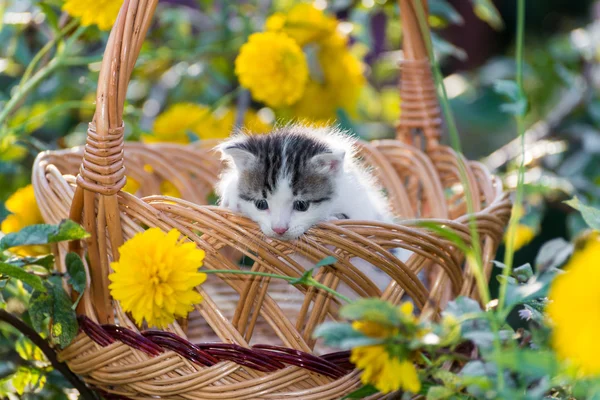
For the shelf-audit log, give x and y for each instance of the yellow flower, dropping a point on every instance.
(169, 189)
(523, 234)
(304, 23)
(272, 66)
(340, 85)
(155, 277)
(375, 329)
(574, 308)
(94, 12)
(318, 104)
(174, 124)
(387, 373)
(132, 186)
(24, 212)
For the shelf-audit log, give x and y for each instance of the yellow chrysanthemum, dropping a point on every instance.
(340, 86)
(374, 329)
(169, 189)
(272, 66)
(523, 235)
(574, 308)
(174, 124)
(24, 212)
(318, 105)
(155, 277)
(253, 123)
(304, 23)
(94, 12)
(343, 72)
(132, 186)
(385, 372)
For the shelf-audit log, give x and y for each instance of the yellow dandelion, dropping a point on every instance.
(304, 23)
(574, 308)
(24, 212)
(94, 12)
(155, 277)
(272, 66)
(523, 235)
(384, 371)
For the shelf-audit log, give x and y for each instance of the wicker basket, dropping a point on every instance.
(252, 336)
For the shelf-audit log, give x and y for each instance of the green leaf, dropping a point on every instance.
(56, 305)
(372, 309)
(518, 105)
(329, 260)
(342, 336)
(553, 254)
(439, 393)
(446, 233)
(534, 289)
(50, 15)
(361, 393)
(28, 351)
(304, 279)
(523, 273)
(18, 273)
(28, 380)
(535, 363)
(44, 234)
(591, 215)
(486, 11)
(447, 49)
(77, 277)
(46, 261)
(443, 9)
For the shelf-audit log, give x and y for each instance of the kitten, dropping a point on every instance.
(296, 177)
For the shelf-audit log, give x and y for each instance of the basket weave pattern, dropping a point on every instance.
(252, 336)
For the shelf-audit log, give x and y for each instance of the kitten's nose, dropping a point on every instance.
(280, 230)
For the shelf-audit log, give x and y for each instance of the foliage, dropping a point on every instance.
(30, 288)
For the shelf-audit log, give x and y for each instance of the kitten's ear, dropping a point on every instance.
(243, 159)
(327, 163)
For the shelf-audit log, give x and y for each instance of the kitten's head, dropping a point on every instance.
(286, 181)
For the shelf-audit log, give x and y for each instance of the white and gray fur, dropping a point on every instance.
(296, 163)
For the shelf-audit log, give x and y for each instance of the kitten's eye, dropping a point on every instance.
(261, 204)
(300, 205)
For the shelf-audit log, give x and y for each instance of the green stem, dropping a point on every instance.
(67, 105)
(514, 220)
(482, 286)
(26, 87)
(36, 59)
(23, 91)
(310, 282)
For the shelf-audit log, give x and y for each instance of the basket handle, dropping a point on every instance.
(102, 171)
(420, 108)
